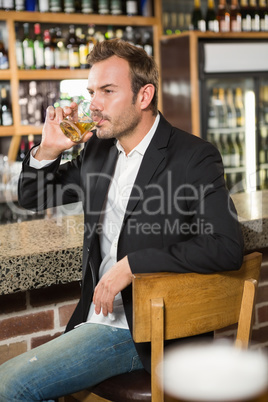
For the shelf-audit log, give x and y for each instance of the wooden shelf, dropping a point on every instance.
(52, 74)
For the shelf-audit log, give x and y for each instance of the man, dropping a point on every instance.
(154, 200)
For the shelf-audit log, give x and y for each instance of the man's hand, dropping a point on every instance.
(115, 280)
(54, 142)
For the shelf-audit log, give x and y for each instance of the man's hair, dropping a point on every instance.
(143, 68)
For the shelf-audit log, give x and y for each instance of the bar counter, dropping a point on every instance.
(40, 253)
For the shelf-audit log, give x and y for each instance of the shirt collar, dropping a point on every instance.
(144, 143)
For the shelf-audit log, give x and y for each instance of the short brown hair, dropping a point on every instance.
(143, 68)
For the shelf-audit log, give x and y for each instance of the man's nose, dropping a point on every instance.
(96, 103)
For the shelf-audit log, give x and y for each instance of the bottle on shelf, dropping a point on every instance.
(263, 152)
(8, 5)
(225, 150)
(68, 6)
(234, 151)
(197, 22)
(43, 6)
(30, 5)
(146, 8)
(235, 17)
(6, 110)
(19, 5)
(38, 47)
(132, 7)
(263, 12)
(116, 7)
(19, 48)
(212, 23)
(61, 57)
(28, 48)
(83, 51)
(49, 50)
(246, 16)
(222, 108)
(148, 42)
(23, 102)
(22, 151)
(103, 7)
(255, 17)
(88, 7)
(90, 38)
(55, 6)
(34, 105)
(3, 54)
(223, 16)
(213, 120)
(231, 113)
(73, 48)
(239, 108)
(240, 140)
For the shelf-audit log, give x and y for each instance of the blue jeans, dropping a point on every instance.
(74, 361)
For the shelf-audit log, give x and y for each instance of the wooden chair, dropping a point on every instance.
(170, 306)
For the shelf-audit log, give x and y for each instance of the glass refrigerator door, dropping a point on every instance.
(230, 125)
(263, 137)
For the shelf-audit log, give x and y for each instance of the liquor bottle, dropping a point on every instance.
(19, 5)
(116, 7)
(146, 8)
(30, 5)
(234, 151)
(222, 109)
(35, 100)
(263, 11)
(148, 42)
(83, 50)
(43, 6)
(132, 7)
(6, 113)
(49, 49)
(103, 7)
(38, 47)
(90, 38)
(73, 49)
(246, 17)
(213, 120)
(19, 49)
(239, 108)
(225, 150)
(198, 22)
(240, 140)
(68, 6)
(88, 7)
(8, 5)
(3, 54)
(55, 6)
(28, 48)
(61, 56)
(223, 16)
(235, 17)
(212, 23)
(231, 113)
(255, 17)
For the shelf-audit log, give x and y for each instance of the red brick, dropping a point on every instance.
(264, 274)
(262, 294)
(26, 324)
(40, 340)
(55, 294)
(262, 313)
(65, 313)
(260, 335)
(13, 302)
(7, 352)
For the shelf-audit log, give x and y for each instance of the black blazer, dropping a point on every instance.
(179, 216)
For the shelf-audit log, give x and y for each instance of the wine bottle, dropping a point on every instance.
(116, 7)
(235, 17)
(212, 23)
(263, 11)
(55, 6)
(8, 5)
(38, 47)
(103, 7)
(90, 38)
(88, 7)
(213, 120)
(234, 151)
(6, 113)
(231, 114)
(132, 7)
(148, 42)
(69, 6)
(239, 108)
(28, 48)
(19, 5)
(49, 49)
(225, 150)
(61, 56)
(3, 54)
(43, 6)
(255, 17)
(73, 49)
(246, 17)
(19, 49)
(197, 21)
(222, 109)
(223, 16)
(83, 51)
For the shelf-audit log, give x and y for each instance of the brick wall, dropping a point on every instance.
(32, 318)
(29, 319)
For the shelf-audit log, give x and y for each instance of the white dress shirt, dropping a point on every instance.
(126, 170)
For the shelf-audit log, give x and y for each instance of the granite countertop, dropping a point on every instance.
(40, 253)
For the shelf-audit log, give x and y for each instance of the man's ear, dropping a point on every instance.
(147, 94)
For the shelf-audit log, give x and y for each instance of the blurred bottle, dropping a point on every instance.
(68, 6)
(34, 105)
(231, 113)
(197, 22)
(222, 109)
(8, 5)
(77, 6)
(263, 11)
(263, 152)
(225, 150)
(23, 102)
(212, 24)
(30, 5)
(43, 6)
(223, 16)
(148, 42)
(60, 51)
(83, 50)
(213, 121)
(72, 46)
(19, 5)
(90, 38)
(116, 7)
(6, 111)
(239, 108)
(18, 46)
(234, 151)
(132, 7)
(49, 56)
(246, 17)
(38, 47)
(255, 17)
(103, 7)
(22, 151)
(240, 140)
(88, 7)
(28, 48)
(109, 34)
(55, 6)
(235, 17)
(3, 54)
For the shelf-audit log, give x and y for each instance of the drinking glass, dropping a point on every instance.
(75, 125)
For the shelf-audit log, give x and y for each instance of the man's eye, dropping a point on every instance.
(108, 91)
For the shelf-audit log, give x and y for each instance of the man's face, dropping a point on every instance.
(112, 105)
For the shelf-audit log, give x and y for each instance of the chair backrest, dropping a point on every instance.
(170, 305)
